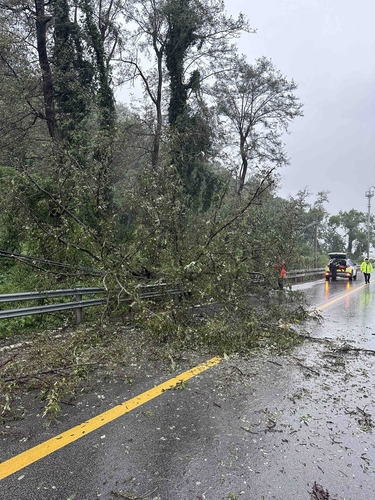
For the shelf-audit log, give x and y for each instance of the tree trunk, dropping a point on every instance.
(159, 116)
(244, 165)
(48, 88)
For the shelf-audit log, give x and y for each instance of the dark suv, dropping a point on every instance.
(345, 267)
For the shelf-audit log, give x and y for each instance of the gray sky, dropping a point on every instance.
(328, 48)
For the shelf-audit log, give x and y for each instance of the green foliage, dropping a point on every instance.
(183, 23)
(18, 276)
(258, 103)
(140, 201)
(354, 225)
(224, 328)
(52, 396)
(73, 71)
(191, 149)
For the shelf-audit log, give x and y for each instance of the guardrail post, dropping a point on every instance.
(79, 309)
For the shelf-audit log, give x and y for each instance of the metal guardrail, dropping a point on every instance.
(48, 294)
(145, 292)
(293, 274)
(26, 311)
(301, 274)
(78, 304)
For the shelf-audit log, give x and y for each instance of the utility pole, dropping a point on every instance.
(369, 194)
(315, 244)
(315, 223)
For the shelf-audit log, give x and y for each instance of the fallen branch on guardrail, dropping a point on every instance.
(145, 292)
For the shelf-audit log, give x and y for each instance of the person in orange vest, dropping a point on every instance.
(281, 268)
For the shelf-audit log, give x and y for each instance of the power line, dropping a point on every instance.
(34, 260)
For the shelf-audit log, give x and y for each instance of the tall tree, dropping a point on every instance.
(318, 212)
(145, 47)
(354, 225)
(183, 40)
(183, 26)
(66, 46)
(70, 42)
(259, 103)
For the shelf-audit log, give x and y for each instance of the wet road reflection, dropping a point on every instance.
(346, 308)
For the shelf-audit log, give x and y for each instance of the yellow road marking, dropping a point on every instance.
(337, 299)
(42, 450)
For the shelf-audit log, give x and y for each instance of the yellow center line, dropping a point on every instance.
(337, 299)
(47, 447)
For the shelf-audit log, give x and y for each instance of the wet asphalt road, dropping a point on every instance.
(351, 319)
(258, 429)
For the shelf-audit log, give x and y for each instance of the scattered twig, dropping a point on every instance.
(348, 348)
(346, 475)
(249, 431)
(68, 403)
(271, 424)
(306, 367)
(236, 368)
(49, 372)
(365, 420)
(315, 339)
(319, 493)
(274, 362)
(9, 360)
(128, 495)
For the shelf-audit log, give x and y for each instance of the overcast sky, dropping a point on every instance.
(328, 48)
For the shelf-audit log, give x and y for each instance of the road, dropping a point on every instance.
(353, 315)
(261, 428)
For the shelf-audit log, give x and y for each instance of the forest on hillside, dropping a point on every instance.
(179, 186)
